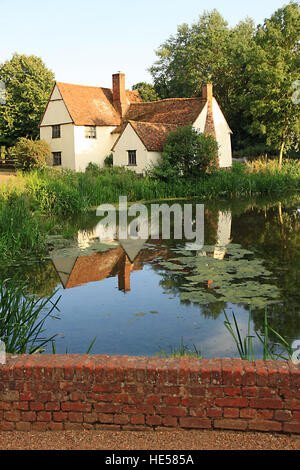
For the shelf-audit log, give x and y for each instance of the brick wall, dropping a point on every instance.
(41, 392)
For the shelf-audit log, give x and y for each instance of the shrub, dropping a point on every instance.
(187, 153)
(31, 154)
(108, 161)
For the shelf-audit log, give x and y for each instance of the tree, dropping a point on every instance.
(28, 84)
(147, 91)
(186, 153)
(31, 153)
(273, 66)
(207, 51)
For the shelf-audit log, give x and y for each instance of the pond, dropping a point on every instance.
(149, 299)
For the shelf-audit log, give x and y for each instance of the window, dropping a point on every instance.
(56, 158)
(131, 157)
(90, 132)
(56, 132)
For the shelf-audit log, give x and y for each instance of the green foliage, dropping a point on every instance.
(28, 85)
(182, 351)
(22, 318)
(20, 229)
(273, 65)
(270, 348)
(147, 91)
(31, 154)
(109, 161)
(252, 69)
(187, 154)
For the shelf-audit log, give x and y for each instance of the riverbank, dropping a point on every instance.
(36, 204)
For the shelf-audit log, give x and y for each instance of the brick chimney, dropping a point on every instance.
(120, 100)
(207, 92)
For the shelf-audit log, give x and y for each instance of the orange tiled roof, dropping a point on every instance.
(92, 106)
(179, 111)
(153, 135)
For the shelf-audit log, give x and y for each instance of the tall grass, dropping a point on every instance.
(64, 192)
(20, 232)
(22, 318)
(273, 350)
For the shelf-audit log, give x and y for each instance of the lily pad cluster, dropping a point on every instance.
(237, 276)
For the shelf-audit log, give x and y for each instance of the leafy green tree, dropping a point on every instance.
(31, 153)
(273, 66)
(196, 54)
(147, 91)
(28, 84)
(186, 153)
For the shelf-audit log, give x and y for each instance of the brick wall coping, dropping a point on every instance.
(56, 392)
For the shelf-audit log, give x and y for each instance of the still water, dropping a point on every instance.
(165, 292)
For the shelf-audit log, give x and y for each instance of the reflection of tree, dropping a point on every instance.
(40, 277)
(275, 235)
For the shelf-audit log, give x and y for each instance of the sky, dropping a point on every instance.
(86, 41)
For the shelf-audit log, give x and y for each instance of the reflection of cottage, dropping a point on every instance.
(84, 124)
(81, 270)
(223, 234)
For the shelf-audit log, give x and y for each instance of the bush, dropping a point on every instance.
(31, 154)
(108, 161)
(187, 153)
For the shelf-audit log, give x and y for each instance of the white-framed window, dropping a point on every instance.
(90, 132)
(131, 157)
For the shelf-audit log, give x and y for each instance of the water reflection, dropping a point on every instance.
(158, 307)
(77, 271)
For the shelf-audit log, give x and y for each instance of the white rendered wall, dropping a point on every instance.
(64, 144)
(92, 150)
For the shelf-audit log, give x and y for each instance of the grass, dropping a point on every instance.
(22, 318)
(245, 346)
(181, 351)
(32, 205)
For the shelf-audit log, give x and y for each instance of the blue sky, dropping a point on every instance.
(85, 41)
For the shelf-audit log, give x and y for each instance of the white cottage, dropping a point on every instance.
(85, 124)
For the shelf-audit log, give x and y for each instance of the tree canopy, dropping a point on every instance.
(28, 83)
(252, 70)
(147, 91)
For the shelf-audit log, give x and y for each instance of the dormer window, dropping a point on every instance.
(56, 132)
(90, 132)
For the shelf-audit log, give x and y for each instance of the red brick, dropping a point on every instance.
(232, 402)
(72, 406)
(292, 427)
(52, 406)
(153, 420)
(60, 416)
(23, 426)
(200, 412)
(195, 423)
(75, 417)
(172, 400)
(283, 415)
(232, 391)
(231, 412)
(137, 419)
(171, 411)
(169, 421)
(121, 419)
(36, 406)
(214, 412)
(12, 415)
(43, 416)
(105, 418)
(265, 403)
(153, 400)
(264, 426)
(226, 423)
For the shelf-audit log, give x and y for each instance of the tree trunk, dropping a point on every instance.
(281, 153)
